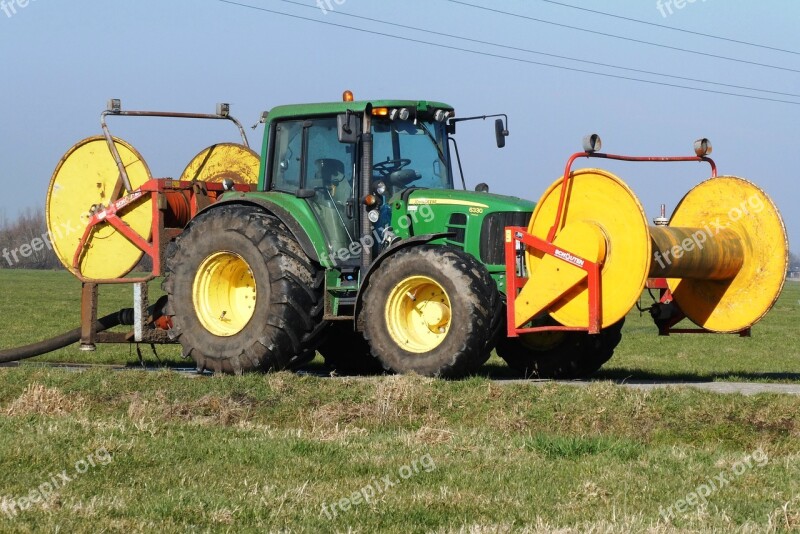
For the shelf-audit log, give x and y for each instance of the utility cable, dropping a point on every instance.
(622, 37)
(509, 58)
(556, 56)
(664, 26)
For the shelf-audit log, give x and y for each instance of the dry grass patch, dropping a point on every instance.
(429, 436)
(40, 400)
(396, 399)
(208, 410)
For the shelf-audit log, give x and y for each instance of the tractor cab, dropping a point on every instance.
(350, 162)
(316, 152)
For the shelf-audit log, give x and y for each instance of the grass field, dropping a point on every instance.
(156, 451)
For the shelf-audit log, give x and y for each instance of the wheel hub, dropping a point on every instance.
(418, 314)
(224, 294)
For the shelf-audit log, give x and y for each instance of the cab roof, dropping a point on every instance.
(333, 108)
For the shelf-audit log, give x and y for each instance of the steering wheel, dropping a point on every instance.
(385, 168)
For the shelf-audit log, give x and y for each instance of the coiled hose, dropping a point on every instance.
(58, 342)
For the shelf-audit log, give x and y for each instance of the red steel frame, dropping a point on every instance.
(155, 189)
(154, 246)
(514, 282)
(518, 235)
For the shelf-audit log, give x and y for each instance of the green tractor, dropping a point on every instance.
(360, 242)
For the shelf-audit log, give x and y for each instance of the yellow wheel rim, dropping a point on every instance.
(418, 314)
(224, 294)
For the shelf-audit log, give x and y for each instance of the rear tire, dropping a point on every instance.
(429, 310)
(242, 294)
(559, 355)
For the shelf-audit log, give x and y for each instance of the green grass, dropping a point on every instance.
(264, 453)
(772, 353)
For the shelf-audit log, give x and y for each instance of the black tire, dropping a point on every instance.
(473, 300)
(347, 352)
(287, 319)
(560, 355)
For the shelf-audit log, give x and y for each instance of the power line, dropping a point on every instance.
(621, 37)
(664, 26)
(509, 58)
(528, 50)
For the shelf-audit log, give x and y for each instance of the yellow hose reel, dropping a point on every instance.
(224, 160)
(724, 253)
(87, 179)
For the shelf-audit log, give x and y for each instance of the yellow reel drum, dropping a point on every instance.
(724, 253)
(737, 276)
(225, 160)
(87, 177)
(603, 221)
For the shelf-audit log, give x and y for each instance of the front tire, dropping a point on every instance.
(429, 310)
(242, 294)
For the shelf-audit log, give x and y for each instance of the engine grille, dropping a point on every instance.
(458, 226)
(493, 234)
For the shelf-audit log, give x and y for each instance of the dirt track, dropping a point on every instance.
(726, 388)
(743, 388)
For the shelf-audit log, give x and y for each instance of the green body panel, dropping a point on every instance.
(297, 207)
(430, 211)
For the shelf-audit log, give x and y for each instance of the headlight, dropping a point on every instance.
(380, 188)
(592, 143)
(373, 216)
(442, 115)
(702, 147)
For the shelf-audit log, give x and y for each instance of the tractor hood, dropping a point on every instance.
(480, 202)
(476, 221)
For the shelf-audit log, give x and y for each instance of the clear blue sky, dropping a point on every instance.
(61, 61)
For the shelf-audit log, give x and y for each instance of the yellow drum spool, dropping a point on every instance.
(225, 160)
(604, 222)
(724, 253)
(87, 177)
(743, 237)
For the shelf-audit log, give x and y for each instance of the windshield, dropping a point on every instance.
(406, 154)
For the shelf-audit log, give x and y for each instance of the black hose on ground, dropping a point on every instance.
(58, 342)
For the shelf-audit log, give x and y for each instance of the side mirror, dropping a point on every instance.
(305, 193)
(263, 120)
(500, 133)
(348, 127)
